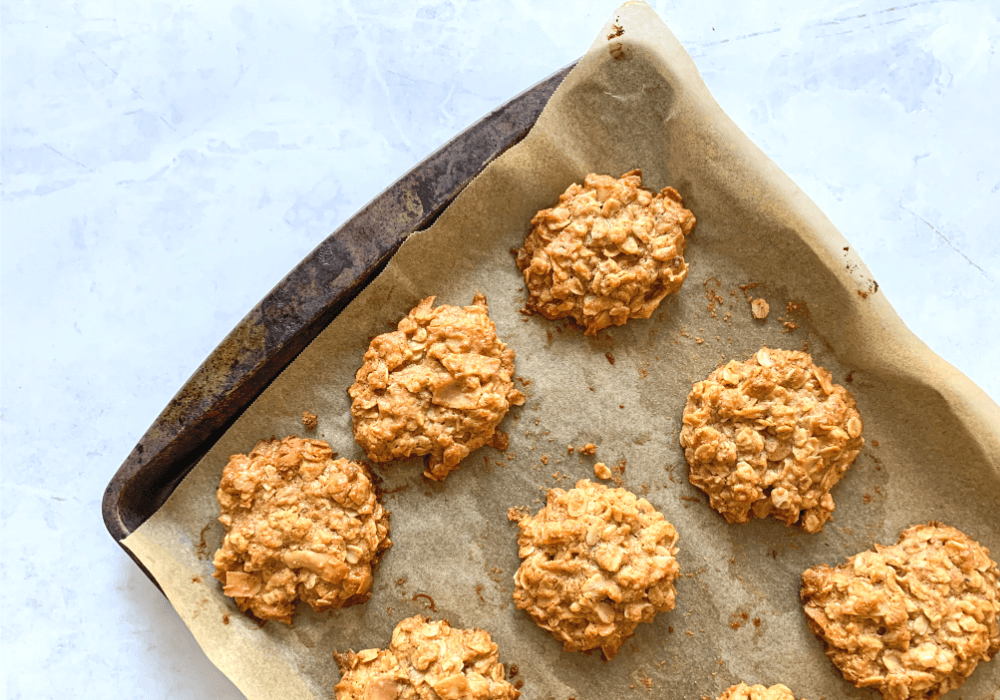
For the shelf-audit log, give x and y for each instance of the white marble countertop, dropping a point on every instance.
(165, 165)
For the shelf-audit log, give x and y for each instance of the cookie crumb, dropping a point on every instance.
(500, 441)
(760, 308)
(601, 471)
(202, 548)
(611, 358)
(712, 295)
(590, 449)
(310, 420)
(430, 601)
(517, 513)
(797, 307)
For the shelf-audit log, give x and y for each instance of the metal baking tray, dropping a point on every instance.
(299, 307)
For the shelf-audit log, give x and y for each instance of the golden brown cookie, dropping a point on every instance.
(912, 619)
(609, 251)
(300, 525)
(757, 692)
(597, 562)
(771, 436)
(437, 386)
(426, 660)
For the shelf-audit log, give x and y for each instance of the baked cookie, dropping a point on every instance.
(771, 436)
(426, 660)
(609, 251)
(757, 692)
(597, 562)
(300, 525)
(912, 619)
(437, 386)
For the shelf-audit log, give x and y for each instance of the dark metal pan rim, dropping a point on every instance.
(301, 305)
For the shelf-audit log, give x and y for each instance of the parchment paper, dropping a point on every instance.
(635, 100)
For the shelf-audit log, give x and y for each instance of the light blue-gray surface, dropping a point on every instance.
(164, 165)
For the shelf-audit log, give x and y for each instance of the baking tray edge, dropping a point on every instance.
(301, 305)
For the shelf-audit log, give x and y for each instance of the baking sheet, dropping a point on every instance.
(635, 100)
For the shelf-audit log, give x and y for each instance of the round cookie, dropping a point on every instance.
(609, 251)
(437, 386)
(911, 620)
(771, 436)
(300, 525)
(597, 562)
(426, 659)
(756, 692)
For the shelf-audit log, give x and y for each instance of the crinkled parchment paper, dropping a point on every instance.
(635, 101)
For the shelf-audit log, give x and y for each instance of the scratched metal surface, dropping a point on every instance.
(299, 307)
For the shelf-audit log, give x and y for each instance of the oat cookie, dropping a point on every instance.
(426, 661)
(771, 436)
(912, 619)
(300, 525)
(757, 692)
(597, 562)
(609, 251)
(437, 386)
